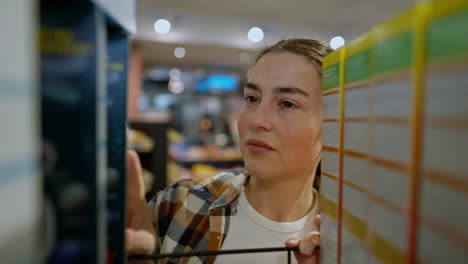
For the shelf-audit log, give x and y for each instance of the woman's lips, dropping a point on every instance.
(258, 146)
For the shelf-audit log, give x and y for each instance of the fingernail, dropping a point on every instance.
(293, 240)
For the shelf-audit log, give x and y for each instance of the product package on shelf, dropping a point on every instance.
(330, 186)
(117, 57)
(395, 107)
(443, 233)
(73, 98)
(356, 146)
(20, 181)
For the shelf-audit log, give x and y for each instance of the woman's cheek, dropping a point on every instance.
(242, 125)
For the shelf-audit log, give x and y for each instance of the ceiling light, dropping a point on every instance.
(162, 26)
(179, 52)
(175, 73)
(255, 35)
(176, 86)
(337, 42)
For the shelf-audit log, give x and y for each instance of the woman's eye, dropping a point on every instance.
(251, 99)
(287, 104)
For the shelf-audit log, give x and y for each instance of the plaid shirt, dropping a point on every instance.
(195, 217)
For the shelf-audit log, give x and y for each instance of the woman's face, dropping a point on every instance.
(280, 121)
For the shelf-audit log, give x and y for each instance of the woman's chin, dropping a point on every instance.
(260, 170)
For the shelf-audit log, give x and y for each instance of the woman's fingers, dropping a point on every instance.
(307, 253)
(308, 243)
(318, 221)
(139, 234)
(300, 257)
(136, 189)
(292, 242)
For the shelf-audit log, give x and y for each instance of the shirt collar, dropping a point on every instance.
(222, 189)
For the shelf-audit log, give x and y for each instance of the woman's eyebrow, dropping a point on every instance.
(252, 86)
(279, 90)
(291, 90)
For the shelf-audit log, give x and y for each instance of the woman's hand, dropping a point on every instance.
(139, 233)
(307, 253)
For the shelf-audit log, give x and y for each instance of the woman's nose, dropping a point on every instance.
(262, 117)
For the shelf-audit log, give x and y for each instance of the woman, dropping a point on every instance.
(273, 201)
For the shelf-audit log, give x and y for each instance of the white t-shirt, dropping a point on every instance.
(249, 229)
